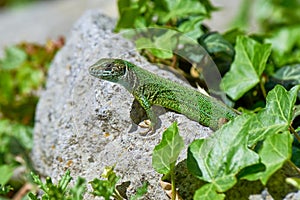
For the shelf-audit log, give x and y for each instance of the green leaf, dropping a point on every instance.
(249, 63)
(276, 117)
(52, 191)
(167, 151)
(5, 189)
(180, 9)
(242, 18)
(6, 87)
(215, 43)
(161, 46)
(220, 158)
(208, 192)
(128, 18)
(192, 27)
(14, 57)
(29, 79)
(283, 40)
(79, 189)
(106, 188)
(64, 181)
(140, 192)
(290, 74)
(294, 181)
(102, 188)
(275, 151)
(274, 14)
(285, 45)
(22, 133)
(6, 172)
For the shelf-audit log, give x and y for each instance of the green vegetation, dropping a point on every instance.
(260, 76)
(60, 191)
(14, 3)
(23, 73)
(106, 187)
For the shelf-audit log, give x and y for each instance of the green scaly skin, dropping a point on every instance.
(149, 89)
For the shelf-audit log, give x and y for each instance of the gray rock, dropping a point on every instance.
(83, 123)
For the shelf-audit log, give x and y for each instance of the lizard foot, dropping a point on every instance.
(149, 125)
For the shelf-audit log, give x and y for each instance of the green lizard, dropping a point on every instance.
(150, 89)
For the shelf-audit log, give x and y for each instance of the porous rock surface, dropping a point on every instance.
(83, 123)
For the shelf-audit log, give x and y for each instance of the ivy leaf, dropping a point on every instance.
(275, 151)
(284, 42)
(289, 74)
(215, 43)
(221, 51)
(181, 9)
(276, 117)
(167, 151)
(247, 67)
(220, 158)
(161, 46)
(192, 27)
(208, 192)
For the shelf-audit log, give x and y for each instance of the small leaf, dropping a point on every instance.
(129, 14)
(215, 43)
(5, 189)
(220, 158)
(284, 41)
(14, 57)
(106, 188)
(290, 74)
(181, 9)
(276, 117)
(208, 192)
(247, 67)
(23, 134)
(102, 188)
(140, 192)
(64, 181)
(192, 27)
(29, 79)
(6, 172)
(79, 189)
(167, 151)
(294, 181)
(160, 46)
(6, 87)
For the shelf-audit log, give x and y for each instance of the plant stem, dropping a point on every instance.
(172, 172)
(294, 166)
(295, 133)
(262, 87)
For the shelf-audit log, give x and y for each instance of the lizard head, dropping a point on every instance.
(108, 69)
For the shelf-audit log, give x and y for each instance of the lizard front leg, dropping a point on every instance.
(144, 102)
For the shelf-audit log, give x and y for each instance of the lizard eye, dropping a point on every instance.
(120, 70)
(109, 66)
